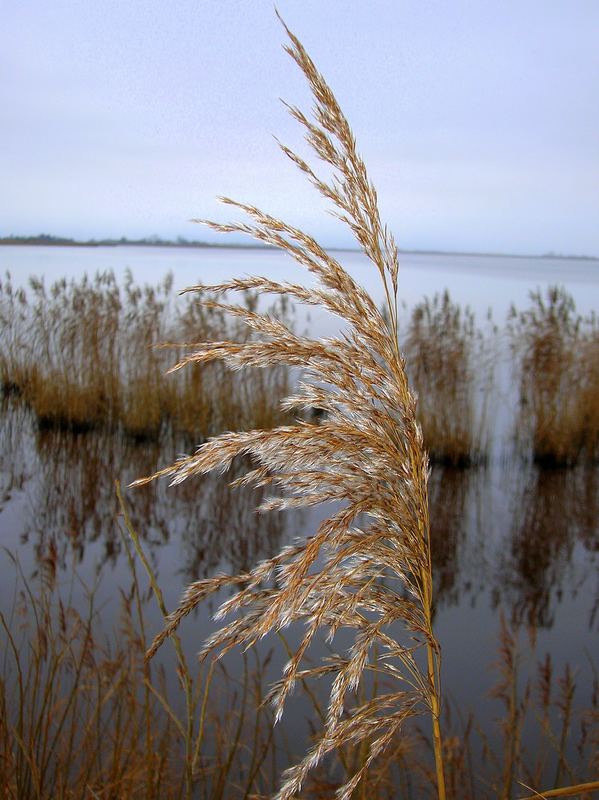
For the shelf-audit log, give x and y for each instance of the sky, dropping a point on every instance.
(478, 121)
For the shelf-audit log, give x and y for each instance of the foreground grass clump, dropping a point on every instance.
(82, 714)
(82, 355)
(73, 720)
(558, 355)
(452, 372)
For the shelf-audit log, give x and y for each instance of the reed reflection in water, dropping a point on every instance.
(63, 485)
(556, 513)
(452, 492)
(524, 540)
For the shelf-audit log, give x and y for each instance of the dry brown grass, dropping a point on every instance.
(368, 566)
(82, 355)
(537, 738)
(83, 715)
(118, 759)
(558, 354)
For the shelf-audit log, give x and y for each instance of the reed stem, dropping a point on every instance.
(435, 712)
(433, 677)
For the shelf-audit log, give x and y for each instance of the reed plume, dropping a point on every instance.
(368, 565)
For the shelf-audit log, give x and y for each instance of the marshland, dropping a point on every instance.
(293, 520)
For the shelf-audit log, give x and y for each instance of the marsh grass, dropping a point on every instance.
(450, 364)
(546, 701)
(128, 723)
(535, 704)
(82, 354)
(74, 722)
(557, 353)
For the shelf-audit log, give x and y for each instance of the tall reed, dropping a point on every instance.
(558, 353)
(368, 565)
(451, 369)
(15, 372)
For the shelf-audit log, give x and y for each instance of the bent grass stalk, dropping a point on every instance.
(580, 789)
(186, 679)
(368, 565)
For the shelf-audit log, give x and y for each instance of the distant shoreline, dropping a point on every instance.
(56, 241)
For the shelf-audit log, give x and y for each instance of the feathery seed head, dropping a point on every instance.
(367, 452)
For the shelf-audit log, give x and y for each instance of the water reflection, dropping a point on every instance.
(525, 540)
(64, 487)
(452, 492)
(13, 466)
(556, 514)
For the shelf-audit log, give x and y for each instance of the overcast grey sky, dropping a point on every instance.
(478, 121)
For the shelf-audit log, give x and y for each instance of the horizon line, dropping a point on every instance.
(50, 240)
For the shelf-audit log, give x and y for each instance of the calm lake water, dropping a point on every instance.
(508, 539)
(483, 282)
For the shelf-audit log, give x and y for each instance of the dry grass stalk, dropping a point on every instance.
(550, 701)
(368, 566)
(581, 790)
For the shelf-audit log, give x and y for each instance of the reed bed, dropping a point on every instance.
(558, 356)
(82, 355)
(451, 368)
